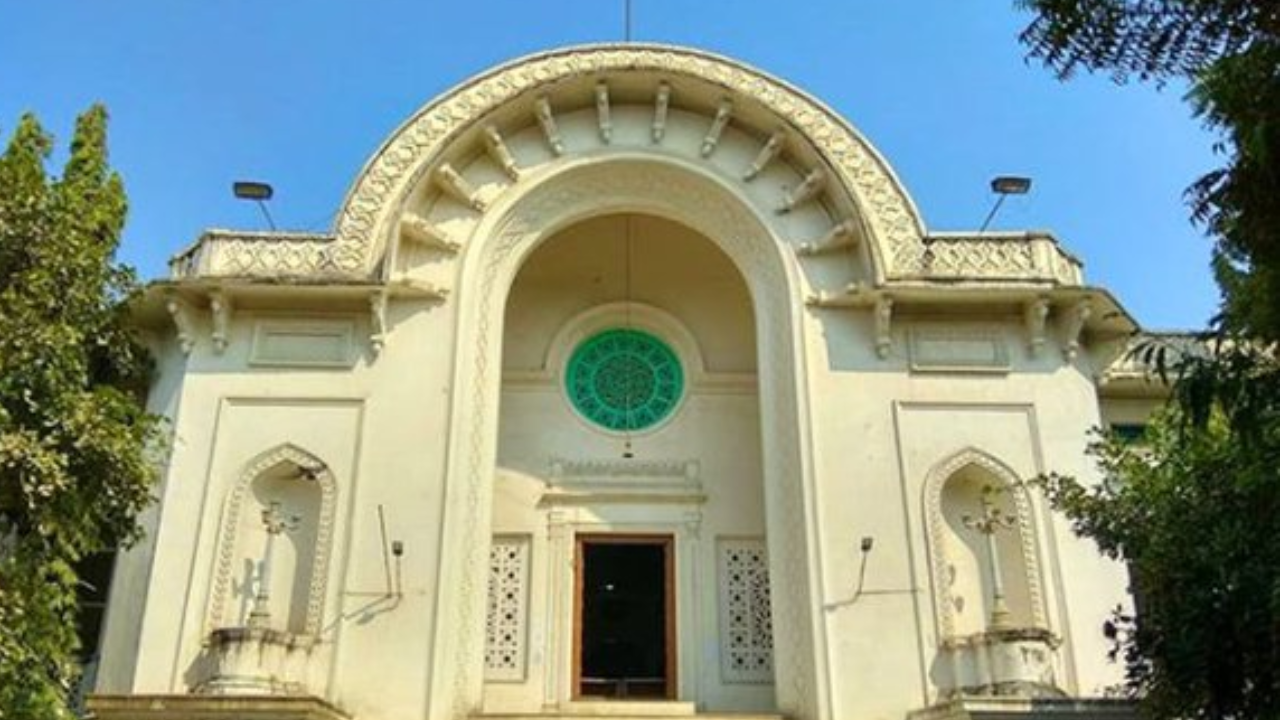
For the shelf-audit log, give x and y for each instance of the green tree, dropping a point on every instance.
(1228, 51)
(1195, 512)
(75, 440)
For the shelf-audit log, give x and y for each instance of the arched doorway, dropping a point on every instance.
(611, 185)
(629, 453)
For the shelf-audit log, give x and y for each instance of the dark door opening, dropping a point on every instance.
(625, 618)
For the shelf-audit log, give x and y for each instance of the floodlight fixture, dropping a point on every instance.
(258, 192)
(1011, 185)
(1004, 186)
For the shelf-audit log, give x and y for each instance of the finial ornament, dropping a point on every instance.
(276, 522)
(991, 521)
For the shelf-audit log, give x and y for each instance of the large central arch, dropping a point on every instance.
(683, 192)
(857, 172)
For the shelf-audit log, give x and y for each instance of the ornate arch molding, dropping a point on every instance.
(935, 525)
(682, 192)
(316, 471)
(887, 213)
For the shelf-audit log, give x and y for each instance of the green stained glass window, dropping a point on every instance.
(624, 379)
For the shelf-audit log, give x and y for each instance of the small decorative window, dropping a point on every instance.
(624, 380)
(1130, 433)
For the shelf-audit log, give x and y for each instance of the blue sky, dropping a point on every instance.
(301, 93)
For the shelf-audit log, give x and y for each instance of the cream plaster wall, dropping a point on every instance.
(830, 444)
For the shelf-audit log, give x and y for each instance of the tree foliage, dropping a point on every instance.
(1229, 53)
(1195, 513)
(75, 440)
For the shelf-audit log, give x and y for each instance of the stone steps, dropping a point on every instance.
(621, 715)
(626, 710)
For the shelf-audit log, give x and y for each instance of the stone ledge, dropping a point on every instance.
(210, 707)
(1029, 709)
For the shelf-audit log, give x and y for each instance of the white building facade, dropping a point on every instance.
(629, 381)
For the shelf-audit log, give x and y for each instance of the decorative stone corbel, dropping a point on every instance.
(805, 191)
(378, 320)
(766, 155)
(884, 328)
(660, 104)
(220, 308)
(724, 111)
(855, 294)
(181, 314)
(547, 120)
(418, 229)
(1078, 315)
(453, 184)
(1035, 314)
(412, 288)
(499, 152)
(602, 113)
(840, 236)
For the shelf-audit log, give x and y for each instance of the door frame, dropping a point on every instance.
(667, 541)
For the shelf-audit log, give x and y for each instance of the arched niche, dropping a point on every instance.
(512, 228)
(963, 584)
(301, 491)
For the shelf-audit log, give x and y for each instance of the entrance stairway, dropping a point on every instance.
(627, 710)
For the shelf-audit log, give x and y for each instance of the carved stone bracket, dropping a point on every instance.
(884, 329)
(602, 113)
(840, 236)
(853, 295)
(453, 184)
(418, 229)
(661, 102)
(498, 151)
(1077, 316)
(724, 111)
(181, 314)
(547, 121)
(378, 320)
(768, 152)
(1035, 314)
(808, 189)
(220, 308)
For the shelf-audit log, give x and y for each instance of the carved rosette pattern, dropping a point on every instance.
(935, 524)
(379, 193)
(231, 520)
(507, 613)
(746, 625)
(712, 211)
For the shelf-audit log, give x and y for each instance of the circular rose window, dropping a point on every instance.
(624, 380)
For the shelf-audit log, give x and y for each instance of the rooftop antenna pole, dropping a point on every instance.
(626, 21)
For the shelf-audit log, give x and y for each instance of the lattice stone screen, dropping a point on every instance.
(507, 617)
(746, 630)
